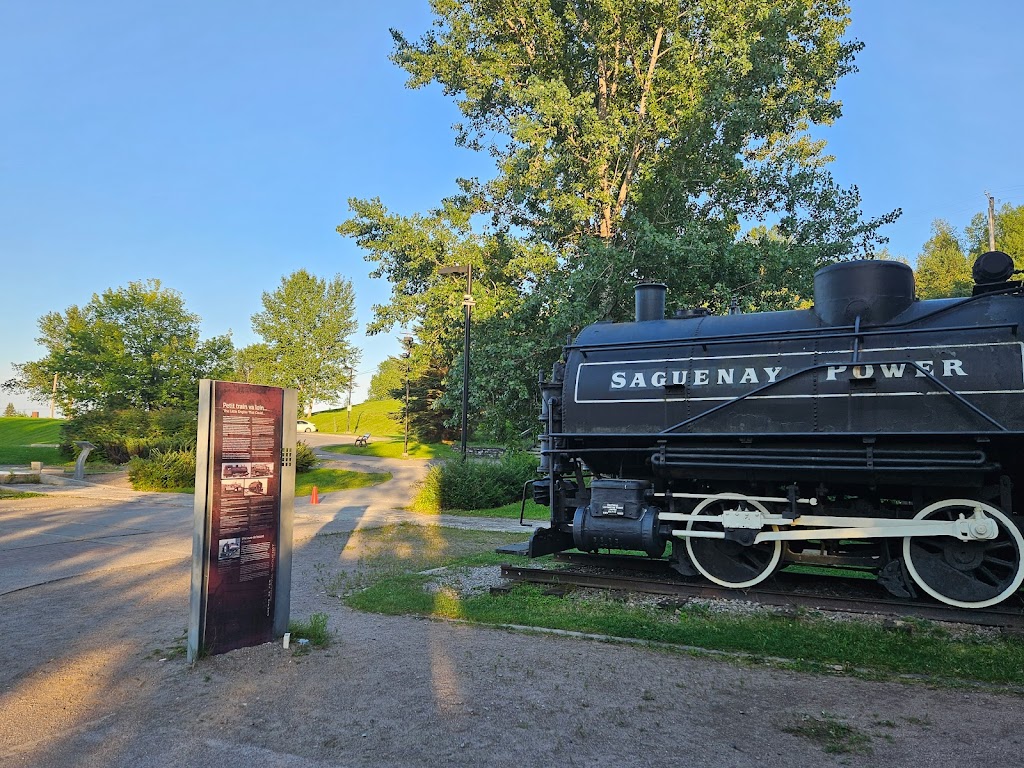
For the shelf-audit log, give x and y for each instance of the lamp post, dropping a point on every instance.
(406, 353)
(351, 378)
(467, 303)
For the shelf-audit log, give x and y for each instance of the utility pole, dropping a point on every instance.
(991, 222)
(53, 396)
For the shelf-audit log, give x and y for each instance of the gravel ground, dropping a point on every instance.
(91, 674)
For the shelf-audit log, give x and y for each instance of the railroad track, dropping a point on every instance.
(659, 579)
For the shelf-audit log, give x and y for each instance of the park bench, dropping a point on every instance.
(363, 440)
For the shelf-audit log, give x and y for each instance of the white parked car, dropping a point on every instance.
(305, 426)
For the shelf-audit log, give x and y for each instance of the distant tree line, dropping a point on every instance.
(128, 363)
(945, 262)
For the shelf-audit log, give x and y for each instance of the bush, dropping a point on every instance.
(163, 470)
(476, 484)
(305, 459)
(123, 435)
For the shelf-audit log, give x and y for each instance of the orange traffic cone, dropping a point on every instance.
(314, 497)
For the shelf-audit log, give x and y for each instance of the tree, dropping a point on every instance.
(131, 347)
(10, 410)
(389, 378)
(305, 325)
(585, 104)
(633, 140)
(943, 270)
(1009, 227)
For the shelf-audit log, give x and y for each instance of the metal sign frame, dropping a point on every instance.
(244, 496)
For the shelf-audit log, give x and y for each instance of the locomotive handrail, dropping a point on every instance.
(841, 332)
(967, 300)
(925, 373)
(844, 331)
(837, 436)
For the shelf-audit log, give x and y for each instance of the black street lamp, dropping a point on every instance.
(467, 303)
(406, 353)
(351, 379)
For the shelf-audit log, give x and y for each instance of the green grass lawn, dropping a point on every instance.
(534, 511)
(373, 416)
(389, 579)
(327, 480)
(392, 448)
(18, 433)
(5, 494)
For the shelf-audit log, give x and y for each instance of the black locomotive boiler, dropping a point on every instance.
(873, 430)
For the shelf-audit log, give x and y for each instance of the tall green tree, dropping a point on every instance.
(1009, 230)
(306, 325)
(633, 140)
(593, 108)
(943, 269)
(387, 379)
(131, 347)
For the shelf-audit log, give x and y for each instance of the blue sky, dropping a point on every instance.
(214, 145)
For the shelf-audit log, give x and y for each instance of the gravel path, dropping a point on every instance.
(88, 677)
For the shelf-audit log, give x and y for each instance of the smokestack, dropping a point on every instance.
(650, 301)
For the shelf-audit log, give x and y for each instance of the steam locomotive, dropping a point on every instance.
(873, 431)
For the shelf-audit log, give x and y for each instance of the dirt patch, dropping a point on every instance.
(93, 674)
(111, 479)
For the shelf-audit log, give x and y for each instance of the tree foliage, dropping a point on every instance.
(388, 379)
(306, 325)
(1009, 230)
(633, 140)
(943, 269)
(131, 347)
(593, 109)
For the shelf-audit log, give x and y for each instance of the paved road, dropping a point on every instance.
(98, 527)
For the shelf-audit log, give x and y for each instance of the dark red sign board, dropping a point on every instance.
(245, 510)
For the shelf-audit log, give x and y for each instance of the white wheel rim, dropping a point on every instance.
(988, 510)
(776, 554)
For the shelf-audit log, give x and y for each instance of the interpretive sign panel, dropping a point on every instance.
(242, 541)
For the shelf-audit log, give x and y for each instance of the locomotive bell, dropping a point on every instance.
(650, 301)
(992, 267)
(875, 290)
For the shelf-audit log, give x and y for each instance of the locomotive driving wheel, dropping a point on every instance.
(726, 562)
(967, 574)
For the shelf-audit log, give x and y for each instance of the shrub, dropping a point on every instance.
(476, 484)
(163, 470)
(305, 459)
(122, 435)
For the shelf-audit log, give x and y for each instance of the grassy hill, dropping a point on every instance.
(373, 416)
(18, 433)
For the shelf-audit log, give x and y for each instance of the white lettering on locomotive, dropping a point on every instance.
(951, 366)
(676, 377)
(968, 369)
